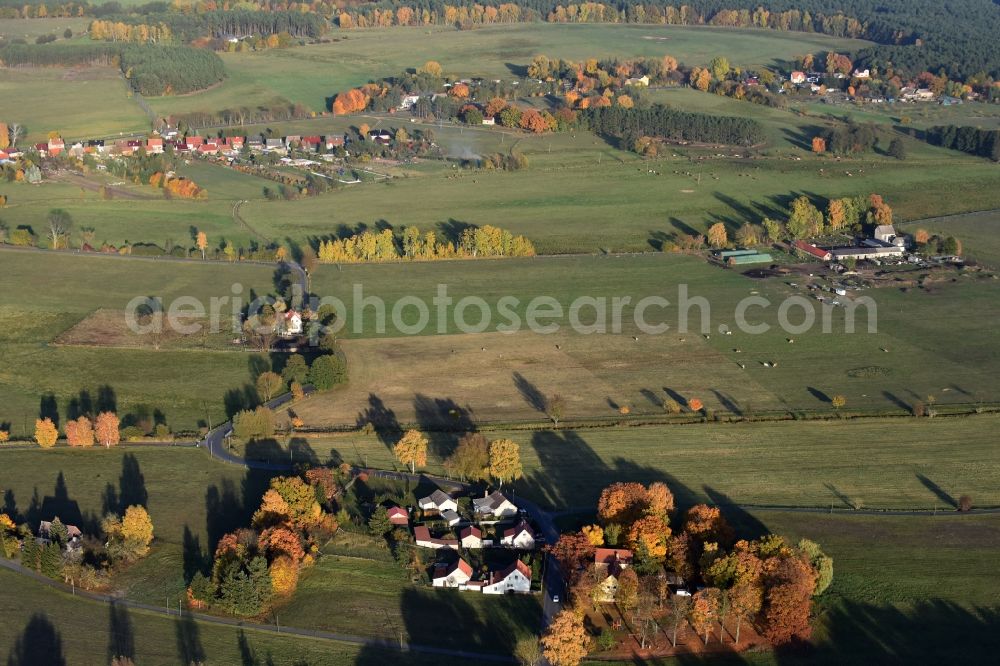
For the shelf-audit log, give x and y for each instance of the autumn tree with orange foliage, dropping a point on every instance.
(351, 101)
(695, 404)
(572, 551)
(789, 583)
(533, 121)
(649, 537)
(106, 429)
(459, 91)
(706, 524)
(80, 432)
(818, 145)
(622, 503)
(566, 640)
(717, 236)
(277, 541)
(705, 611)
(594, 534)
(495, 106)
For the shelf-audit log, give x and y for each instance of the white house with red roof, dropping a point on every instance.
(399, 516)
(422, 537)
(515, 579)
(520, 536)
(455, 575)
(612, 562)
(471, 537)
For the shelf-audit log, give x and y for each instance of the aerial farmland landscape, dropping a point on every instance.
(533, 332)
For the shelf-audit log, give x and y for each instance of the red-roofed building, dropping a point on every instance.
(471, 537)
(515, 579)
(399, 516)
(334, 141)
(519, 536)
(193, 142)
(819, 253)
(456, 575)
(154, 145)
(612, 561)
(311, 142)
(56, 146)
(423, 538)
(208, 149)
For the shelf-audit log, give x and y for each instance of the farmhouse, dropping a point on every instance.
(611, 561)
(812, 250)
(437, 501)
(74, 537)
(471, 537)
(456, 575)
(56, 145)
(495, 505)
(798, 77)
(154, 145)
(291, 323)
(423, 539)
(640, 81)
(519, 536)
(399, 516)
(515, 579)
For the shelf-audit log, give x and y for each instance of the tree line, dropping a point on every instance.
(972, 140)
(187, 27)
(151, 69)
(659, 121)
(473, 242)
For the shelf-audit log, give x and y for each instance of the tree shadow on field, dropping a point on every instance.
(938, 491)
(896, 400)
(121, 633)
(438, 418)
(819, 395)
(188, 637)
(60, 504)
(257, 364)
(131, 488)
(932, 631)
(683, 227)
(382, 419)
(531, 393)
(840, 495)
(745, 523)
(39, 643)
(238, 399)
(48, 408)
(657, 239)
(195, 559)
(728, 402)
(652, 397)
(80, 405)
(452, 230)
(107, 400)
(228, 508)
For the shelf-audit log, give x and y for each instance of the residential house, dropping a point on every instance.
(311, 143)
(451, 517)
(797, 77)
(471, 537)
(610, 562)
(437, 501)
(74, 537)
(810, 249)
(292, 323)
(42, 149)
(455, 575)
(274, 144)
(422, 537)
(515, 579)
(494, 505)
(154, 145)
(408, 101)
(56, 145)
(399, 516)
(293, 140)
(255, 143)
(489, 121)
(520, 536)
(640, 81)
(208, 148)
(334, 141)
(381, 137)
(862, 73)
(193, 142)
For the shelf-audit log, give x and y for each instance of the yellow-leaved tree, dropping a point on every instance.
(411, 449)
(46, 432)
(505, 460)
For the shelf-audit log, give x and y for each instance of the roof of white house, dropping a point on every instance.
(491, 502)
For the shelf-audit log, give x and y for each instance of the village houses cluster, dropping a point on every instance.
(492, 512)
